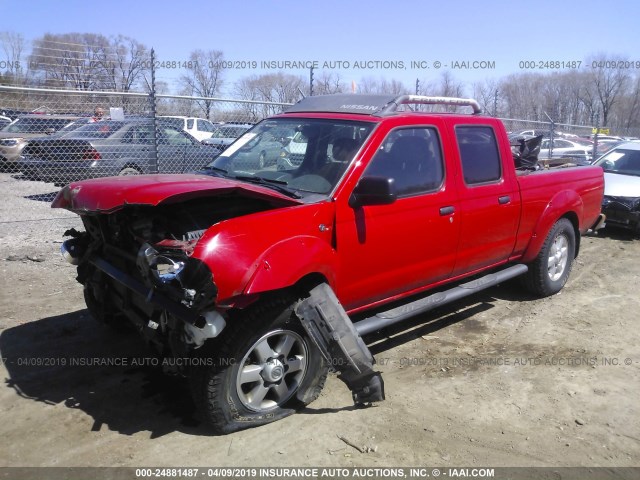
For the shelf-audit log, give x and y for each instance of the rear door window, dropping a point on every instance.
(479, 154)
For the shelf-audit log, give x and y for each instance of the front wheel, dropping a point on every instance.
(265, 368)
(549, 272)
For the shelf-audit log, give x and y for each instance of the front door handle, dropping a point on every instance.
(504, 200)
(447, 210)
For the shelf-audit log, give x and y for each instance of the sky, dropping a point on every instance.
(401, 39)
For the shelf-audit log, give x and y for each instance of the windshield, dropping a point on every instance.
(100, 129)
(621, 160)
(306, 156)
(174, 122)
(35, 125)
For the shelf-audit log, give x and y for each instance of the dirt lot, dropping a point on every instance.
(499, 380)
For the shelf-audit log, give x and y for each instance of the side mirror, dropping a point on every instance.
(373, 191)
(49, 131)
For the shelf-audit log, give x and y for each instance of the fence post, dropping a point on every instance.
(595, 137)
(153, 161)
(551, 136)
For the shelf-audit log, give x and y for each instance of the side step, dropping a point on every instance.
(398, 314)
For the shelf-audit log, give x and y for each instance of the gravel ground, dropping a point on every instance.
(501, 379)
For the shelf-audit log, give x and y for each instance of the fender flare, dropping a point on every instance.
(286, 262)
(565, 203)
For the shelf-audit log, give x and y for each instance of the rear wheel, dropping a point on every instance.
(265, 368)
(549, 272)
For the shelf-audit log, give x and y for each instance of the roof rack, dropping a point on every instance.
(422, 100)
(373, 104)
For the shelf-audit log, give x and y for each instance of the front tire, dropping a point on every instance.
(264, 369)
(549, 272)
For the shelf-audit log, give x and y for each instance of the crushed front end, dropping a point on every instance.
(137, 268)
(622, 212)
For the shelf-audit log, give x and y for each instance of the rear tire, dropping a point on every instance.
(263, 368)
(549, 272)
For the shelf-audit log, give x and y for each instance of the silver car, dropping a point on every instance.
(16, 135)
(621, 202)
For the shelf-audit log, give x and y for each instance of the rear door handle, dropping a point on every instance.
(447, 210)
(504, 199)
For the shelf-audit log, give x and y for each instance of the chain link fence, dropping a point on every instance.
(561, 143)
(59, 136)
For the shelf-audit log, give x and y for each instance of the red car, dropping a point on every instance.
(255, 273)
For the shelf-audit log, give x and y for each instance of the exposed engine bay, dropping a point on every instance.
(136, 268)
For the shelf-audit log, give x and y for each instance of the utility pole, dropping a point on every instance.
(153, 161)
(417, 86)
(495, 104)
(311, 82)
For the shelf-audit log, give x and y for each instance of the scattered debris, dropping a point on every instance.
(351, 444)
(580, 421)
(365, 449)
(24, 258)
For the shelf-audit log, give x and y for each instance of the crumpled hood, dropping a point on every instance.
(105, 195)
(617, 185)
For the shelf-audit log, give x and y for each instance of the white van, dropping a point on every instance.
(197, 127)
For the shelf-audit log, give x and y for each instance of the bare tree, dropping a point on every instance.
(329, 83)
(71, 60)
(448, 86)
(125, 63)
(205, 77)
(630, 106)
(609, 82)
(273, 87)
(13, 46)
(488, 95)
(382, 86)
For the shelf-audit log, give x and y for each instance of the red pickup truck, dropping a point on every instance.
(250, 272)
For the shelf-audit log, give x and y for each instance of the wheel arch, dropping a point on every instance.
(301, 262)
(564, 204)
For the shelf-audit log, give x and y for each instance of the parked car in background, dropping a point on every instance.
(225, 134)
(621, 202)
(531, 133)
(199, 128)
(14, 137)
(581, 152)
(259, 150)
(604, 147)
(608, 138)
(293, 152)
(110, 147)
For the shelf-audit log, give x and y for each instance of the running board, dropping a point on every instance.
(398, 314)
